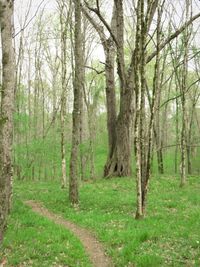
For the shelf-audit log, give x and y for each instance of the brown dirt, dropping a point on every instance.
(92, 246)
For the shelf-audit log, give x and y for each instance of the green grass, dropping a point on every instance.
(32, 240)
(168, 236)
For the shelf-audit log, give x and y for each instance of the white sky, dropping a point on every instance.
(21, 7)
(49, 6)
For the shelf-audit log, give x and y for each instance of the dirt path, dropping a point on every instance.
(93, 248)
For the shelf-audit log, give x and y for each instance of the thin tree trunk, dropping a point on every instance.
(138, 153)
(78, 52)
(82, 108)
(143, 146)
(63, 23)
(183, 102)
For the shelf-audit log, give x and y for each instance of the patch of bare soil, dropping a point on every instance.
(92, 246)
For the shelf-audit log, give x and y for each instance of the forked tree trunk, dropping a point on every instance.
(114, 166)
(119, 162)
(6, 115)
(144, 146)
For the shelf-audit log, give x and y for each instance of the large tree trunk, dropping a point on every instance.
(109, 50)
(74, 161)
(119, 162)
(114, 165)
(6, 115)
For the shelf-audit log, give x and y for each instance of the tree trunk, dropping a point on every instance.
(63, 24)
(110, 104)
(183, 101)
(138, 152)
(190, 130)
(78, 52)
(63, 153)
(177, 134)
(119, 163)
(91, 119)
(6, 112)
(109, 51)
(144, 146)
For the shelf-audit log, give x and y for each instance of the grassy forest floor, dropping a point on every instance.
(168, 236)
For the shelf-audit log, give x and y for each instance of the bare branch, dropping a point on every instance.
(176, 97)
(98, 13)
(173, 36)
(97, 71)
(27, 24)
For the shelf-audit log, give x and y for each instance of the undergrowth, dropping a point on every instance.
(168, 236)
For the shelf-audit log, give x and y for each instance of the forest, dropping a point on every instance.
(99, 133)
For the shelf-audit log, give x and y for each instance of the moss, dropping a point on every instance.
(5, 58)
(2, 24)
(10, 3)
(3, 120)
(2, 7)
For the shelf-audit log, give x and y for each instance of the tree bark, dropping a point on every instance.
(110, 103)
(139, 212)
(6, 112)
(183, 101)
(74, 161)
(119, 162)
(144, 144)
(116, 166)
(109, 51)
(63, 25)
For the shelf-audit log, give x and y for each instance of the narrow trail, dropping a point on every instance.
(92, 246)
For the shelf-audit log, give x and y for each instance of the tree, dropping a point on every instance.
(64, 21)
(109, 51)
(144, 137)
(6, 112)
(119, 163)
(76, 116)
(183, 88)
